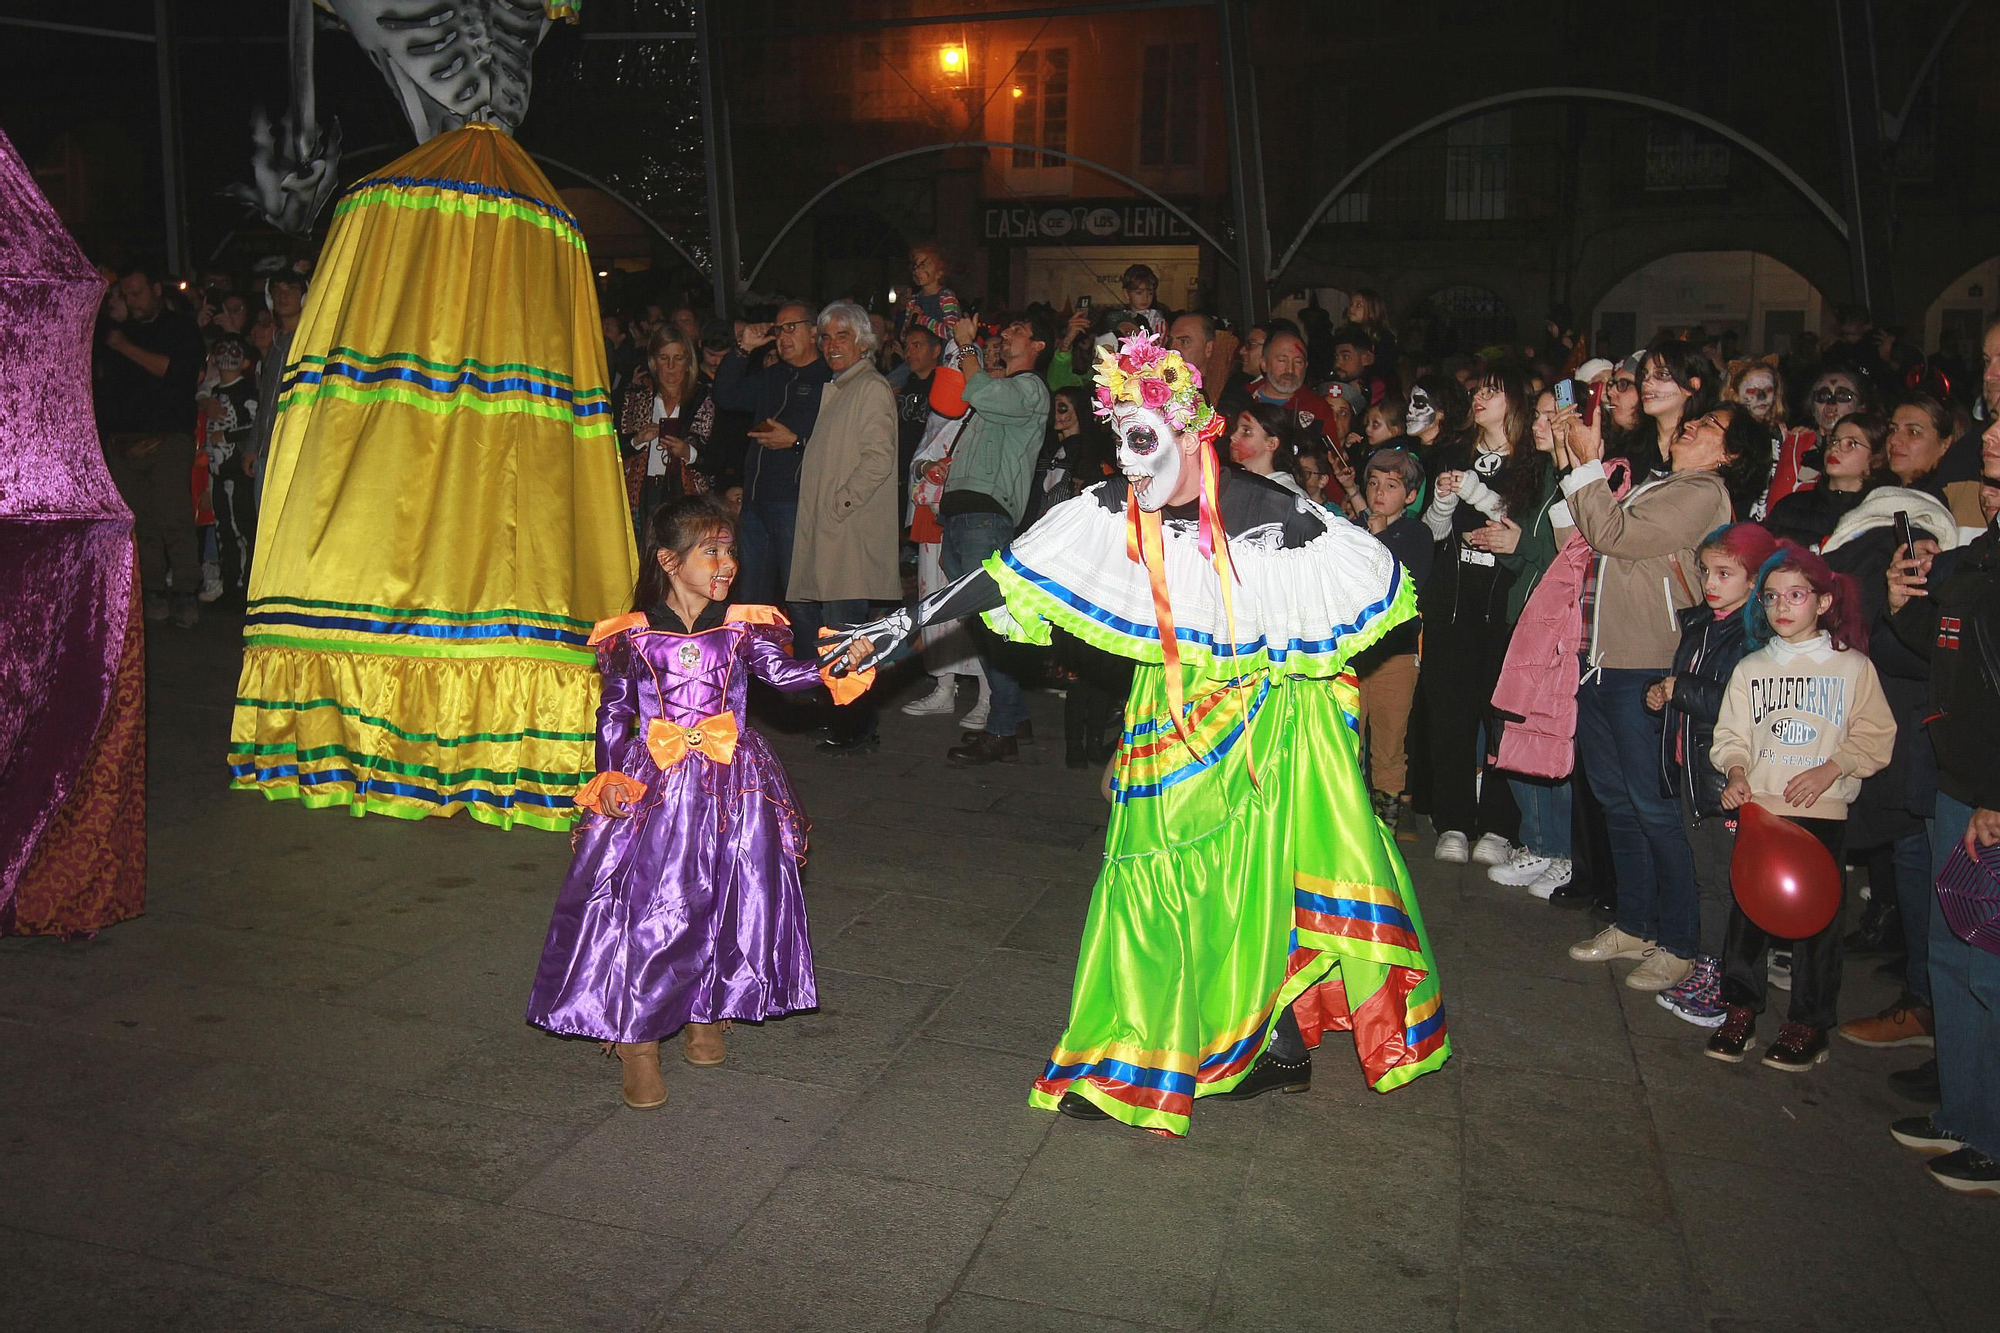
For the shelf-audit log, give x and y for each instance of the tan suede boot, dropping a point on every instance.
(701, 1044)
(644, 1088)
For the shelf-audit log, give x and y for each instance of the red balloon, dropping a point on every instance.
(1784, 878)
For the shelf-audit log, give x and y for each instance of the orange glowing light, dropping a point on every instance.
(952, 58)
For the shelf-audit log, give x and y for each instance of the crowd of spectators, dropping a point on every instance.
(1600, 548)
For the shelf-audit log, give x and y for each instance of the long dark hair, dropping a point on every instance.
(1281, 423)
(1520, 476)
(677, 526)
(1454, 409)
(1746, 460)
(1692, 371)
(1090, 448)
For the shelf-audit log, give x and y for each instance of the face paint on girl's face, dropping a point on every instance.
(1759, 392)
(1148, 454)
(1421, 414)
(707, 571)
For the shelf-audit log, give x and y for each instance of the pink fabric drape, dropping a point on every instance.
(66, 572)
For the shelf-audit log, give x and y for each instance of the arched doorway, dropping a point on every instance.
(1765, 303)
(1951, 325)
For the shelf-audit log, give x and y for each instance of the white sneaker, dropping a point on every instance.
(1451, 847)
(976, 719)
(211, 588)
(1659, 971)
(942, 699)
(1492, 850)
(1611, 943)
(1523, 867)
(1556, 876)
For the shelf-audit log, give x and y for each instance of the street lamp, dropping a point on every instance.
(952, 59)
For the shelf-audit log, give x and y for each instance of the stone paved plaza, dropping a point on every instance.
(298, 1095)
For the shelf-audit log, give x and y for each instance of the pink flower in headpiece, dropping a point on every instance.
(1154, 393)
(1127, 364)
(1194, 373)
(1104, 398)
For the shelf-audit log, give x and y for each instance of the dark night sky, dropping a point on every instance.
(624, 112)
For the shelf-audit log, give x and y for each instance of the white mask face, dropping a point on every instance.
(1759, 392)
(1421, 413)
(1148, 454)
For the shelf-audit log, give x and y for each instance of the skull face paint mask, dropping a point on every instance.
(1149, 455)
(1759, 392)
(1421, 414)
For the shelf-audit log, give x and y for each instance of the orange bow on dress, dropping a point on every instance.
(669, 742)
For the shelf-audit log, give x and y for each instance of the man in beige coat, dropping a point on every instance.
(844, 553)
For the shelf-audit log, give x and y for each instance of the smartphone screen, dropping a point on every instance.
(1083, 303)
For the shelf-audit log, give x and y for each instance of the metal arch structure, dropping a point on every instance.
(1559, 94)
(750, 278)
(629, 206)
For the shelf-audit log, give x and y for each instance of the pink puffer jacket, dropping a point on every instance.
(1538, 678)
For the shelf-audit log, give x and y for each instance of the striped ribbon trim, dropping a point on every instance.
(444, 387)
(467, 198)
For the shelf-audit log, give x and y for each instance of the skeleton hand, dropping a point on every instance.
(294, 179)
(887, 635)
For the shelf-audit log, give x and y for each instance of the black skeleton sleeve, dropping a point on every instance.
(894, 635)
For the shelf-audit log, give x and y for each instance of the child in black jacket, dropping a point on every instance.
(1712, 643)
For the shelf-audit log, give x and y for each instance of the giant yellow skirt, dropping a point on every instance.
(444, 513)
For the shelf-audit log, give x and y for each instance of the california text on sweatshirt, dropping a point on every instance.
(1789, 708)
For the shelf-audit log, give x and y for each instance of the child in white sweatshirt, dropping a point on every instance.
(1803, 721)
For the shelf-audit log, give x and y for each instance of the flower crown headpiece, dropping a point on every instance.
(1148, 375)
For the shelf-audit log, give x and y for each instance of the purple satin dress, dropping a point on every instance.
(689, 910)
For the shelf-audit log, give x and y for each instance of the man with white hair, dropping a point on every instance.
(844, 554)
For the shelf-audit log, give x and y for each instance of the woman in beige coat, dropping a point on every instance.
(1647, 571)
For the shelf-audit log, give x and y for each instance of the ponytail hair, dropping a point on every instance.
(1842, 620)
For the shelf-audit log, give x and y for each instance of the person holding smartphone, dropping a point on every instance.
(782, 397)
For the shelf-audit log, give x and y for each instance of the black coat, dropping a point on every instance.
(1808, 517)
(1957, 629)
(1709, 650)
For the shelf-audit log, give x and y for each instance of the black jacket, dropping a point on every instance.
(1709, 650)
(1808, 517)
(781, 392)
(1957, 628)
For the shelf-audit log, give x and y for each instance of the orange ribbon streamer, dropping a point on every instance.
(670, 742)
(1143, 546)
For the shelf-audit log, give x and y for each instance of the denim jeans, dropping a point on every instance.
(1965, 999)
(1545, 815)
(1916, 885)
(968, 540)
(764, 551)
(1620, 741)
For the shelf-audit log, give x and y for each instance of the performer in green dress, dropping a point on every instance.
(1250, 901)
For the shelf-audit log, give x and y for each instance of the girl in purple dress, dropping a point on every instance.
(682, 909)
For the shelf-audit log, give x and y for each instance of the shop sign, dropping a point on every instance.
(1084, 222)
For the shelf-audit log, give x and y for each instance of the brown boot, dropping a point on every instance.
(701, 1044)
(644, 1088)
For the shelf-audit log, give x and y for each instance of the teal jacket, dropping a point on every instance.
(996, 454)
(1537, 551)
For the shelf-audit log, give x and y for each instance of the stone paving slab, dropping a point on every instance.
(298, 1094)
